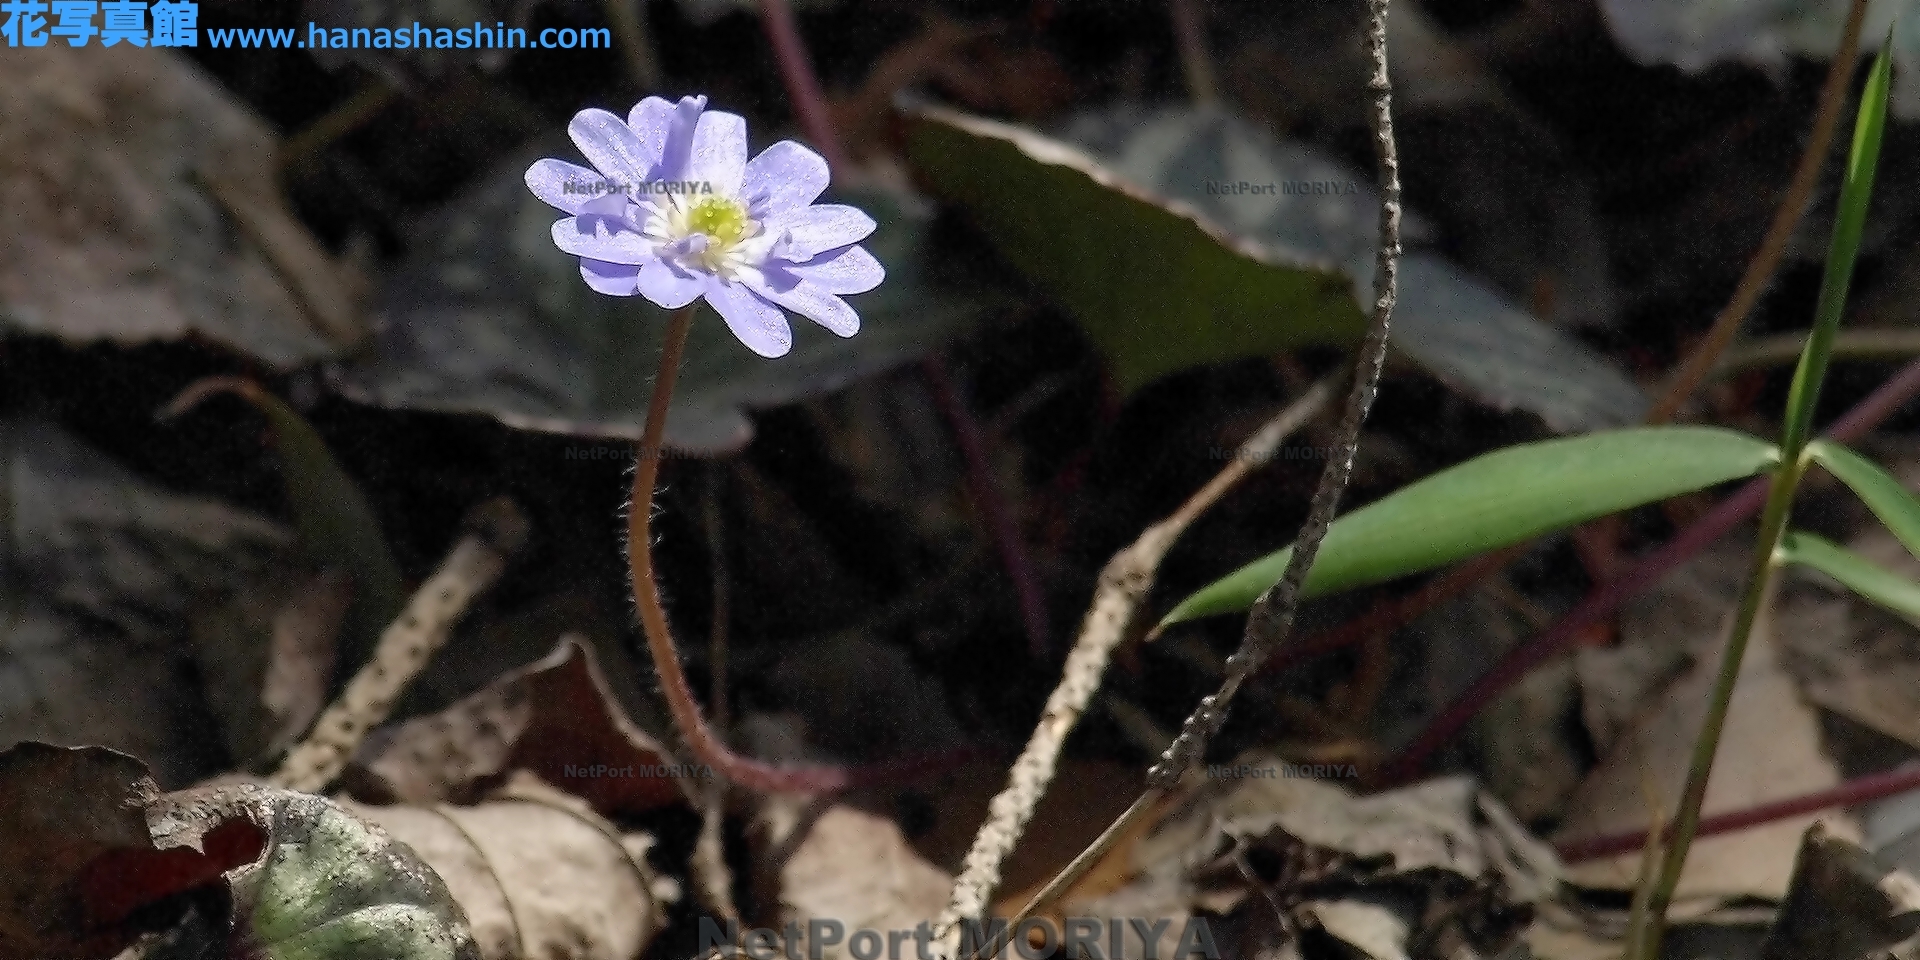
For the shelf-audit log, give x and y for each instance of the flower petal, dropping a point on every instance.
(784, 176)
(677, 145)
(817, 229)
(669, 286)
(562, 185)
(810, 301)
(590, 237)
(846, 270)
(759, 324)
(719, 153)
(650, 119)
(612, 279)
(612, 147)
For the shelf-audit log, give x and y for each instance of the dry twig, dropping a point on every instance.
(1122, 585)
(495, 531)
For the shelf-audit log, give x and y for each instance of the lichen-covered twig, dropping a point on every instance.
(1272, 617)
(1122, 585)
(494, 532)
(1272, 614)
(1712, 356)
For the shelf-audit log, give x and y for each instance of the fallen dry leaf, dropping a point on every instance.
(99, 571)
(111, 232)
(1770, 749)
(267, 658)
(554, 718)
(1441, 864)
(92, 855)
(300, 655)
(855, 868)
(1842, 905)
(537, 872)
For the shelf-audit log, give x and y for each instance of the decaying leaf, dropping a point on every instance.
(333, 886)
(1843, 905)
(1439, 868)
(1770, 749)
(1866, 667)
(554, 718)
(60, 809)
(103, 573)
(93, 855)
(112, 231)
(537, 872)
(855, 868)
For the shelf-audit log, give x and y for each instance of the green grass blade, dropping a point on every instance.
(1896, 507)
(1855, 572)
(337, 526)
(1501, 498)
(1855, 193)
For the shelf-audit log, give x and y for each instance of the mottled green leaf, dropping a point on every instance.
(333, 887)
(1180, 237)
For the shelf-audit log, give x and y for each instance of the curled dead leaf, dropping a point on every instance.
(537, 872)
(555, 718)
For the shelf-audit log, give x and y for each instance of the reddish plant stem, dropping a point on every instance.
(707, 748)
(803, 87)
(992, 507)
(1854, 792)
(810, 105)
(1642, 574)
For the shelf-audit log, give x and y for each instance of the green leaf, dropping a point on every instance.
(1180, 237)
(1157, 284)
(487, 317)
(1505, 497)
(333, 887)
(1897, 508)
(1853, 571)
(336, 526)
(1856, 191)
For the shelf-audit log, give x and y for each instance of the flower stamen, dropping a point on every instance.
(708, 233)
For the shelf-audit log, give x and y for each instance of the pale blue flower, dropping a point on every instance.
(673, 211)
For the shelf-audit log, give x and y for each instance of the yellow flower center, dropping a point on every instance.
(722, 218)
(716, 234)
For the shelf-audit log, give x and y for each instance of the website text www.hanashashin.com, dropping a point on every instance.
(176, 23)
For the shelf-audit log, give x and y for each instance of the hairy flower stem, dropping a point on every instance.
(653, 617)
